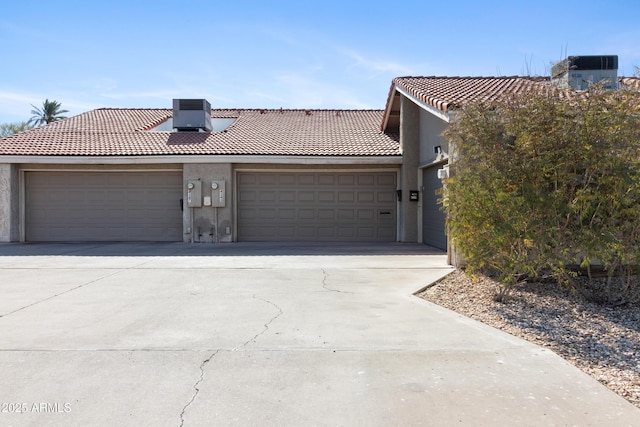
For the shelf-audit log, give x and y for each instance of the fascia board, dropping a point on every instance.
(440, 114)
(147, 160)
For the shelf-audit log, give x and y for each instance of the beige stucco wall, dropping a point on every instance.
(9, 208)
(431, 136)
(410, 145)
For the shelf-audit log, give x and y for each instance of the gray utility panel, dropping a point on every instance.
(317, 206)
(103, 206)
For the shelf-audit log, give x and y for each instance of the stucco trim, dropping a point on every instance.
(440, 114)
(142, 160)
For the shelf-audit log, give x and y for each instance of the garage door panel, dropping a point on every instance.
(117, 196)
(366, 196)
(103, 206)
(349, 232)
(326, 196)
(326, 214)
(306, 196)
(267, 179)
(386, 180)
(367, 214)
(366, 232)
(307, 232)
(121, 180)
(366, 179)
(305, 214)
(247, 196)
(386, 233)
(247, 179)
(326, 179)
(346, 214)
(346, 180)
(160, 197)
(267, 196)
(286, 214)
(285, 233)
(266, 214)
(317, 206)
(286, 196)
(386, 198)
(346, 196)
(327, 233)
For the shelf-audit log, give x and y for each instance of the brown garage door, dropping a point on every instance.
(320, 206)
(103, 206)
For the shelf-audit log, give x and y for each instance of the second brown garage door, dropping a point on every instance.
(317, 206)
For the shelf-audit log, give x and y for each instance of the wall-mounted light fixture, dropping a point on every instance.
(443, 173)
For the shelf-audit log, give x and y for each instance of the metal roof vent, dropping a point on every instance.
(580, 72)
(192, 115)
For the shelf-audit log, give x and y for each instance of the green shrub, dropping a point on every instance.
(547, 184)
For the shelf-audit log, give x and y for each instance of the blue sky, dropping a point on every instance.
(290, 54)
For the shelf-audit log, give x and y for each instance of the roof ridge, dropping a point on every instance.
(234, 109)
(463, 77)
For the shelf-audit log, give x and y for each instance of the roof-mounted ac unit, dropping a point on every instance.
(192, 115)
(580, 72)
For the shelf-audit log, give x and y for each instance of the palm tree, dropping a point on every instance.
(50, 112)
(7, 129)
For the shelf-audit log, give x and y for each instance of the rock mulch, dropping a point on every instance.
(602, 341)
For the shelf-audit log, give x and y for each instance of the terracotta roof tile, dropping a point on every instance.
(127, 132)
(449, 93)
(446, 93)
(630, 82)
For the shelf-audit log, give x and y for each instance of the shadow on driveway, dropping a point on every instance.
(221, 249)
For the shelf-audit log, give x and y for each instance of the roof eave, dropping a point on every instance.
(388, 106)
(188, 159)
(442, 114)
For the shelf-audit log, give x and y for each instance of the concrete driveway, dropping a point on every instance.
(264, 334)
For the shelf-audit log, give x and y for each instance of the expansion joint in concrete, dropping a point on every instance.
(58, 294)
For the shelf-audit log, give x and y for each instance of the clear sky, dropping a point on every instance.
(290, 54)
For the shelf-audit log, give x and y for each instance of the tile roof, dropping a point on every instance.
(447, 93)
(126, 132)
(630, 82)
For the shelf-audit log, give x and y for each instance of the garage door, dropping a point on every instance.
(355, 207)
(433, 218)
(103, 206)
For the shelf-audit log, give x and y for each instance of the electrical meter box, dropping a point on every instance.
(194, 194)
(218, 196)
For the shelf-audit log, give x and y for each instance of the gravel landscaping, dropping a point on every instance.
(602, 341)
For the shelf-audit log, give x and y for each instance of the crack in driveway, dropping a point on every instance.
(195, 386)
(266, 325)
(326, 286)
(208, 359)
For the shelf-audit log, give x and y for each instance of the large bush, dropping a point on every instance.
(549, 184)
